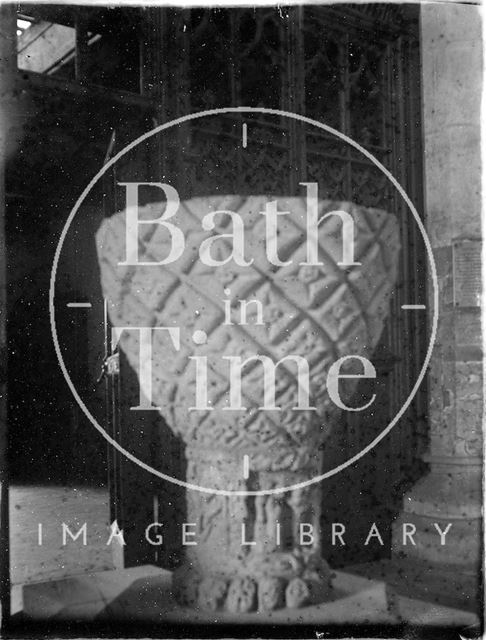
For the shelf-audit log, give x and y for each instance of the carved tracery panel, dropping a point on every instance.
(352, 68)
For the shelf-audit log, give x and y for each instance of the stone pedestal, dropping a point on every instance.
(451, 492)
(252, 552)
(256, 550)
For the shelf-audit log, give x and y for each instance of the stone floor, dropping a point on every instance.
(53, 582)
(143, 594)
(438, 585)
(50, 505)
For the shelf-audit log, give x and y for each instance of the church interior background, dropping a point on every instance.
(78, 83)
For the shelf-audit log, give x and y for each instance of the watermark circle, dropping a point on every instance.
(435, 300)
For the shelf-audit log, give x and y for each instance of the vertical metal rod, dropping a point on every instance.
(109, 449)
(408, 434)
(418, 257)
(234, 17)
(117, 393)
(110, 453)
(154, 80)
(345, 108)
(289, 88)
(299, 93)
(143, 54)
(8, 73)
(394, 341)
(81, 49)
(234, 26)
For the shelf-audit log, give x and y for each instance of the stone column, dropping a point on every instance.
(8, 68)
(451, 492)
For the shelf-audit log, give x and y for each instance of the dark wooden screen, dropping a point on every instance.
(355, 68)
